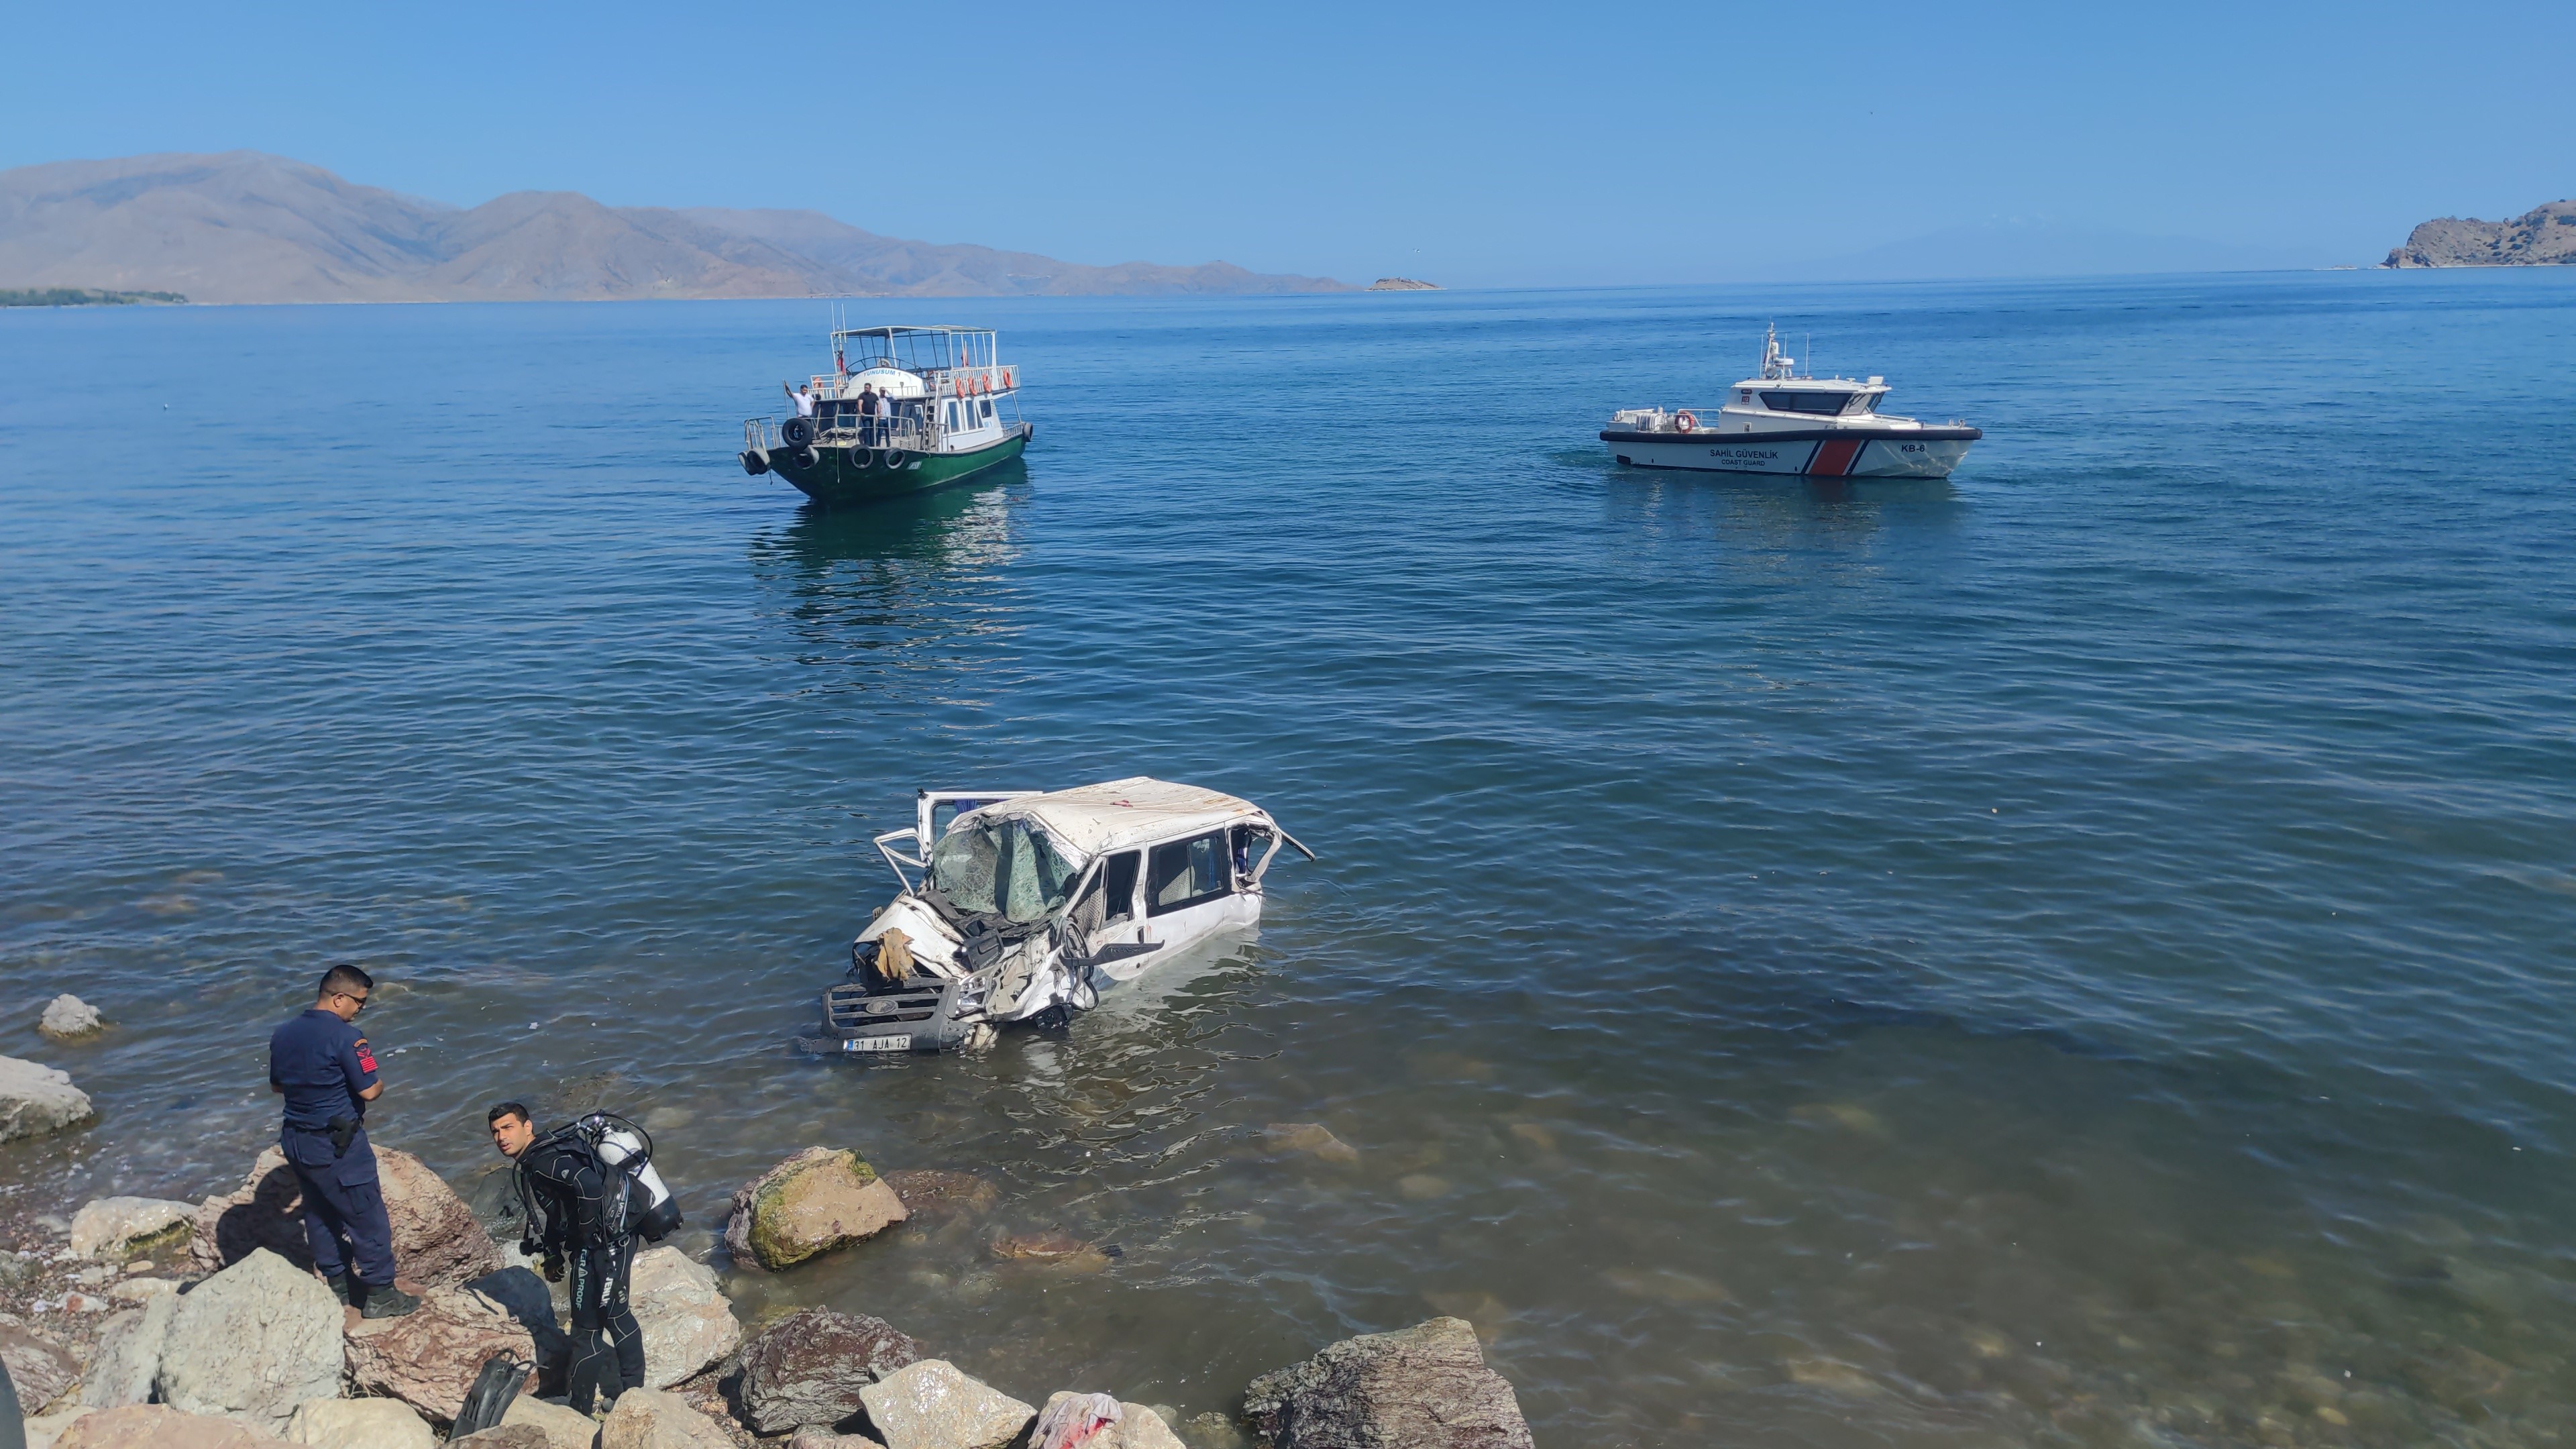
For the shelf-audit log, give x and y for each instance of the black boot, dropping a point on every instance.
(384, 1300)
(339, 1287)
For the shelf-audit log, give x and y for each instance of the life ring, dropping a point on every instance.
(1684, 422)
(1007, 384)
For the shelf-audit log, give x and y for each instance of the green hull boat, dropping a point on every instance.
(903, 410)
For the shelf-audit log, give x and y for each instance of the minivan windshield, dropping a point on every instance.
(1005, 867)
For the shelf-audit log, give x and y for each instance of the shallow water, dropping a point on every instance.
(2076, 954)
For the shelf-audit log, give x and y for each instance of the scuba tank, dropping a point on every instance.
(622, 1145)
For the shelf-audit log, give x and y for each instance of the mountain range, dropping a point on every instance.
(245, 226)
(2543, 236)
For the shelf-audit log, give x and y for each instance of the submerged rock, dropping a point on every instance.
(1054, 1247)
(124, 1227)
(653, 1419)
(1311, 1138)
(358, 1424)
(1424, 1387)
(251, 1343)
(930, 1405)
(68, 1018)
(809, 1367)
(932, 1192)
(430, 1356)
(437, 1242)
(813, 1202)
(688, 1324)
(39, 1368)
(36, 1099)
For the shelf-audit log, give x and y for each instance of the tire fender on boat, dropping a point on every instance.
(797, 431)
(861, 458)
(806, 457)
(894, 457)
(754, 461)
(1685, 421)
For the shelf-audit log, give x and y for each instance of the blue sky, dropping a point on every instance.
(1485, 145)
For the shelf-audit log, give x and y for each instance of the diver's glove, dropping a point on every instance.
(554, 1266)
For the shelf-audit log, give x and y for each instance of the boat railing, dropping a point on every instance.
(911, 434)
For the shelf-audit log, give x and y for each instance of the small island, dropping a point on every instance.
(2544, 236)
(80, 297)
(1402, 284)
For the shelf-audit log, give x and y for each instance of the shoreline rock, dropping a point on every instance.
(931, 1405)
(158, 1426)
(39, 1368)
(430, 1356)
(688, 1323)
(437, 1242)
(127, 1227)
(36, 1099)
(251, 1343)
(820, 1199)
(358, 1424)
(659, 1419)
(811, 1367)
(68, 1018)
(1425, 1387)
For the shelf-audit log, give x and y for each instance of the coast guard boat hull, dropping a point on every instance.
(1781, 422)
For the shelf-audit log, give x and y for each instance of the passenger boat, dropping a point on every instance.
(951, 411)
(1030, 904)
(1781, 422)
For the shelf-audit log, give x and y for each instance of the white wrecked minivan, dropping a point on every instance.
(1030, 903)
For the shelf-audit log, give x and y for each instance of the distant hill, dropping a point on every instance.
(2544, 236)
(248, 227)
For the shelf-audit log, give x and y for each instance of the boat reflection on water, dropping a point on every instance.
(903, 586)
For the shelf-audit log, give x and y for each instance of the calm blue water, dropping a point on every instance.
(2076, 954)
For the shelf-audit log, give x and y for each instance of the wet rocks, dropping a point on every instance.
(813, 1202)
(39, 1368)
(1137, 1426)
(251, 1343)
(930, 1405)
(687, 1323)
(116, 1228)
(811, 1437)
(158, 1426)
(1055, 1248)
(1424, 1387)
(437, 1242)
(653, 1419)
(129, 1354)
(358, 1424)
(68, 1018)
(506, 1436)
(809, 1368)
(430, 1356)
(933, 1192)
(36, 1099)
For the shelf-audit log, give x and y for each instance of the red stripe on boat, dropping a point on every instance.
(1835, 455)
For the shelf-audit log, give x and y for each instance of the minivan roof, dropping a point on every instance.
(1092, 819)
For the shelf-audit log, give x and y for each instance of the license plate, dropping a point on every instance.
(877, 1044)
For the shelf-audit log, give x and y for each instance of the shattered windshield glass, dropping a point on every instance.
(1003, 867)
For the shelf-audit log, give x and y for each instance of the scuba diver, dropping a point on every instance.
(589, 1189)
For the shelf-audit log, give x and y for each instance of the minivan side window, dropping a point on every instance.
(1119, 877)
(1186, 872)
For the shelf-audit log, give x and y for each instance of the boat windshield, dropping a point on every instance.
(1002, 867)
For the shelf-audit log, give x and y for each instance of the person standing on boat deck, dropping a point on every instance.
(868, 415)
(327, 1073)
(803, 397)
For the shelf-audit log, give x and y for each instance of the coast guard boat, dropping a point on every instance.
(1030, 903)
(1781, 422)
(946, 408)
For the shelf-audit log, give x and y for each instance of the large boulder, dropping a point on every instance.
(930, 1405)
(358, 1424)
(36, 1099)
(1137, 1426)
(430, 1356)
(129, 1354)
(815, 1436)
(158, 1426)
(809, 1367)
(1424, 1387)
(39, 1368)
(251, 1343)
(506, 1436)
(116, 1228)
(68, 1018)
(563, 1428)
(437, 1242)
(687, 1322)
(43, 1429)
(815, 1201)
(652, 1419)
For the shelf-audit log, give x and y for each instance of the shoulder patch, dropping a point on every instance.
(366, 1056)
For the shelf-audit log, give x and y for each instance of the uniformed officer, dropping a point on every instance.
(327, 1073)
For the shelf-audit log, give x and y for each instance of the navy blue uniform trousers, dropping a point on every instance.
(344, 1206)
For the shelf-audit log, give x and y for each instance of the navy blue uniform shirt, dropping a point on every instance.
(323, 1064)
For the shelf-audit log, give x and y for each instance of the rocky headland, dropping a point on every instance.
(1402, 284)
(2541, 237)
(160, 1322)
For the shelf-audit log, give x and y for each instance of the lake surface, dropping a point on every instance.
(2076, 954)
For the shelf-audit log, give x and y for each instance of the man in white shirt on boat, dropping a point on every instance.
(803, 397)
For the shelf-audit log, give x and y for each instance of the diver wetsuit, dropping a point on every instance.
(577, 1217)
